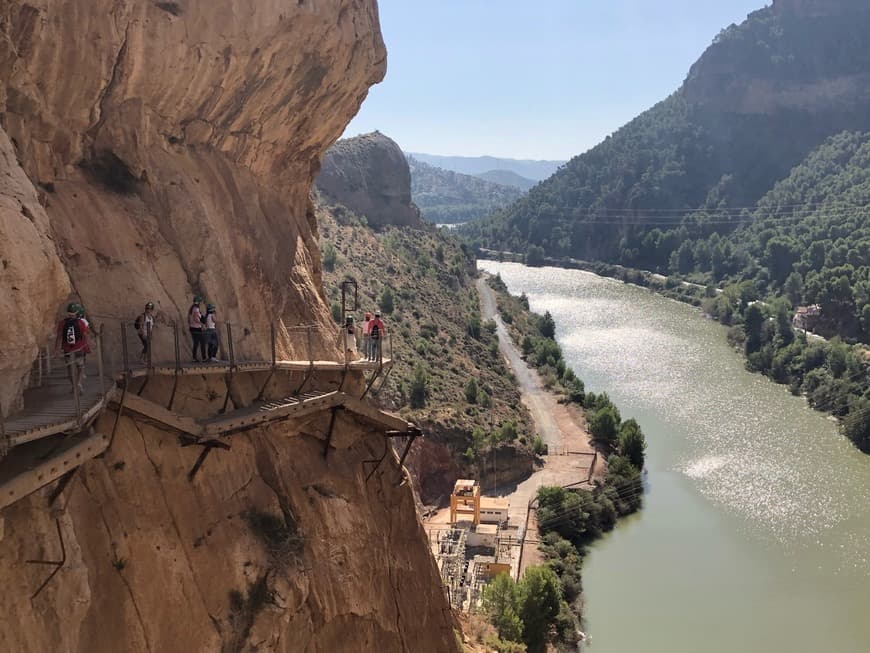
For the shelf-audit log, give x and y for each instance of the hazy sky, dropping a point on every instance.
(543, 79)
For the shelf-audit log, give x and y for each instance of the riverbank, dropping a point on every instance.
(564, 512)
(748, 493)
(834, 377)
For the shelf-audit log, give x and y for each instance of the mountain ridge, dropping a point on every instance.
(757, 102)
(533, 169)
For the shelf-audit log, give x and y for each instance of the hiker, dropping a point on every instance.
(367, 338)
(350, 336)
(376, 333)
(144, 326)
(195, 324)
(211, 334)
(72, 340)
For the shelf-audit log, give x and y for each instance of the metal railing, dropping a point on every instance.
(118, 350)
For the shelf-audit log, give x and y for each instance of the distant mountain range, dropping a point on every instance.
(477, 165)
(447, 197)
(508, 178)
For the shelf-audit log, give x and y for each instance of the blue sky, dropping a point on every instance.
(534, 80)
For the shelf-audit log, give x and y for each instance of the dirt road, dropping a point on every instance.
(563, 429)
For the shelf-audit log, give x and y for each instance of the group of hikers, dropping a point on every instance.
(373, 331)
(73, 336)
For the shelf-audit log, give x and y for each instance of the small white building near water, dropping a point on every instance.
(494, 511)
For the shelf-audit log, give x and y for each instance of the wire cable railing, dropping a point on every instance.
(63, 392)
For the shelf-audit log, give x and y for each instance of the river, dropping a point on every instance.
(755, 530)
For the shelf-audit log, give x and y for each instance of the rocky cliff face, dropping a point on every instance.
(802, 56)
(151, 150)
(270, 548)
(370, 175)
(172, 146)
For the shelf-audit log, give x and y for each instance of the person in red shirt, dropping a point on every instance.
(376, 333)
(72, 340)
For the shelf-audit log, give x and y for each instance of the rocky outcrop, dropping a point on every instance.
(156, 150)
(797, 56)
(32, 276)
(369, 175)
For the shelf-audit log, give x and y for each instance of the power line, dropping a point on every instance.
(683, 218)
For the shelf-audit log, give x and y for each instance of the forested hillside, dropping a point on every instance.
(449, 197)
(757, 103)
(507, 178)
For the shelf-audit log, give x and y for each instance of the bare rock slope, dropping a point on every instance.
(151, 150)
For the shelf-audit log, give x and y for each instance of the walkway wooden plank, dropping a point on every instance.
(261, 413)
(35, 465)
(51, 409)
(379, 417)
(158, 413)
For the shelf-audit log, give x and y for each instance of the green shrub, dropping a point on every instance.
(386, 302)
(329, 256)
(419, 390)
(471, 391)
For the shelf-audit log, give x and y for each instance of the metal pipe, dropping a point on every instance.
(76, 394)
(4, 442)
(310, 348)
(230, 345)
(100, 357)
(149, 332)
(177, 364)
(124, 353)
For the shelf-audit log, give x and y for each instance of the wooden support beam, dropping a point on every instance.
(158, 413)
(372, 414)
(27, 472)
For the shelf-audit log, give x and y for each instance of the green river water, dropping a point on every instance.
(755, 530)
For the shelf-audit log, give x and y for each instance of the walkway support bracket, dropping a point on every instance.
(207, 446)
(62, 484)
(371, 382)
(310, 371)
(232, 355)
(57, 564)
(262, 393)
(177, 364)
(413, 433)
(326, 444)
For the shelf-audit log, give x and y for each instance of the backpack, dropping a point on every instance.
(138, 323)
(72, 333)
(375, 331)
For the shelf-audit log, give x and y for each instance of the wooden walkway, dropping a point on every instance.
(51, 436)
(51, 408)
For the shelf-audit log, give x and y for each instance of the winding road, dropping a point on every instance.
(539, 401)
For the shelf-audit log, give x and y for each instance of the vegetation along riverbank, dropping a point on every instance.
(833, 374)
(568, 518)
